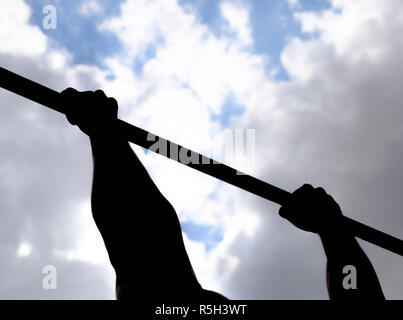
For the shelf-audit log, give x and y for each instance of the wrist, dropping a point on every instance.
(336, 230)
(337, 238)
(108, 133)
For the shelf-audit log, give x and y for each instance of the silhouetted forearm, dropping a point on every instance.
(122, 197)
(139, 226)
(343, 251)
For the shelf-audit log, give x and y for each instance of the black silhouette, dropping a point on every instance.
(142, 233)
(139, 226)
(312, 209)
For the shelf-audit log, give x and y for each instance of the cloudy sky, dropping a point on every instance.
(319, 82)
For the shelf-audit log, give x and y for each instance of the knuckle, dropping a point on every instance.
(69, 90)
(112, 100)
(320, 190)
(100, 93)
(307, 186)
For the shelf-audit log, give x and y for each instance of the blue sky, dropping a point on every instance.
(79, 33)
(272, 25)
(271, 21)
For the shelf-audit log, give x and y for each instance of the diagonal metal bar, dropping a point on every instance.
(52, 99)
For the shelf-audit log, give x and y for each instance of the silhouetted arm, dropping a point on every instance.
(137, 222)
(139, 226)
(350, 274)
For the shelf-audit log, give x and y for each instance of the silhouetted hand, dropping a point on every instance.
(312, 209)
(92, 112)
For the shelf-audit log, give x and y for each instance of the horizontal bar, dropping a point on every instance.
(52, 99)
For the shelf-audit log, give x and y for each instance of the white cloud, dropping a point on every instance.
(294, 4)
(90, 7)
(14, 26)
(237, 16)
(38, 173)
(24, 250)
(179, 89)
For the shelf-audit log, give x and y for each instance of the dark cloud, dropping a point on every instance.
(339, 128)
